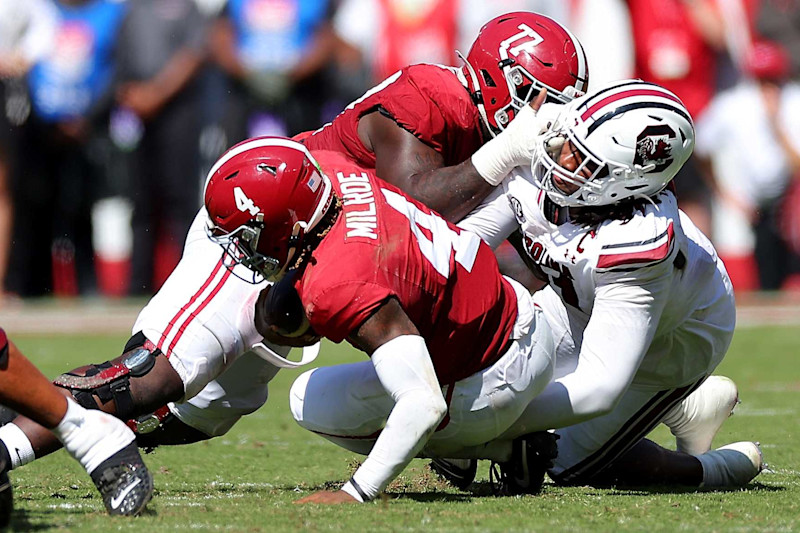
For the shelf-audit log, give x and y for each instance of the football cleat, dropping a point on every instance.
(697, 419)
(733, 465)
(532, 455)
(458, 472)
(106, 448)
(124, 482)
(6, 496)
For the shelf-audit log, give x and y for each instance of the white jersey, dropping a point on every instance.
(202, 320)
(648, 296)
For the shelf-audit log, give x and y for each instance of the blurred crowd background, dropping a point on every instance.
(112, 111)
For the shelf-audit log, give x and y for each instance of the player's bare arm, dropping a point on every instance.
(407, 162)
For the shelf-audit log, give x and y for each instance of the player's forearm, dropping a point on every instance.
(452, 191)
(569, 401)
(610, 356)
(408, 428)
(405, 370)
(455, 191)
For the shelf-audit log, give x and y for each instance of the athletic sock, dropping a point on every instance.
(17, 445)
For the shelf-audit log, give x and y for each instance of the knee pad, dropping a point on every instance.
(111, 380)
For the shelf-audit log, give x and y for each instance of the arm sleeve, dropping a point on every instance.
(406, 371)
(623, 323)
(493, 220)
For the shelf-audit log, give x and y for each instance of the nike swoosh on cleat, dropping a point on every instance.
(117, 500)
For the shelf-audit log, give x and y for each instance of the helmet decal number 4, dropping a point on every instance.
(526, 40)
(243, 203)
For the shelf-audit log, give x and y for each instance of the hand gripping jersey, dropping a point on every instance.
(653, 285)
(385, 245)
(427, 100)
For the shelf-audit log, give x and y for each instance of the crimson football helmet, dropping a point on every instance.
(628, 139)
(262, 197)
(514, 57)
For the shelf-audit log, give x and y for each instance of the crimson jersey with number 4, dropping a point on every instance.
(427, 100)
(384, 245)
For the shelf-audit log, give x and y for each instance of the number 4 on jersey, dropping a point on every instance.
(443, 241)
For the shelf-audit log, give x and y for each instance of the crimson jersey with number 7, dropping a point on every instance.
(386, 245)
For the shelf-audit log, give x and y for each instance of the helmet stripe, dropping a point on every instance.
(582, 62)
(626, 94)
(637, 105)
(251, 145)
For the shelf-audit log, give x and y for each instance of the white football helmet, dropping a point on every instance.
(630, 139)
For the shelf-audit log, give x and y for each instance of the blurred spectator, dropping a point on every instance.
(390, 34)
(604, 29)
(161, 47)
(275, 52)
(473, 14)
(676, 42)
(70, 96)
(752, 134)
(779, 20)
(26, 34)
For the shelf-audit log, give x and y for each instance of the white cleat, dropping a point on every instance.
(697, 419)
(733, 465)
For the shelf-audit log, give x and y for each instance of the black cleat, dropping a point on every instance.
(124, 482)
(455, 474)
(6, 499)
(532, 456)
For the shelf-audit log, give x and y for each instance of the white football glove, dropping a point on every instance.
(514, 146)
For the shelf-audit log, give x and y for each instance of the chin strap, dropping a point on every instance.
(266, 353)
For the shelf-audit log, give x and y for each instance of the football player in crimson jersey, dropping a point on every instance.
(641, 307)
(407, 128)
(103, 445)
(423, 299)
(420, 127)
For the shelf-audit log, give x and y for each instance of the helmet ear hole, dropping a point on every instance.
(487, 78)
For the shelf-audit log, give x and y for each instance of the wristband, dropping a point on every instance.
(352, 488)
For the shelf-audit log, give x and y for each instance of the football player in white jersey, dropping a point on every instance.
(641, 307)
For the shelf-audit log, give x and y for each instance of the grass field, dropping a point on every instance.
(248, 479)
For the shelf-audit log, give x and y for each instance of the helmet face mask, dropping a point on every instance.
(515, 56)
(625, 141)
(240, 247)
(523, 88)
(588, 184)
(262, 196)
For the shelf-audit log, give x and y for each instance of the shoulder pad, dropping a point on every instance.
(637, 254)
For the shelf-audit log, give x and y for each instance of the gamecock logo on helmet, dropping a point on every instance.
(652, 146)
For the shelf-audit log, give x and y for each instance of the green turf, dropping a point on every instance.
(247, 480)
